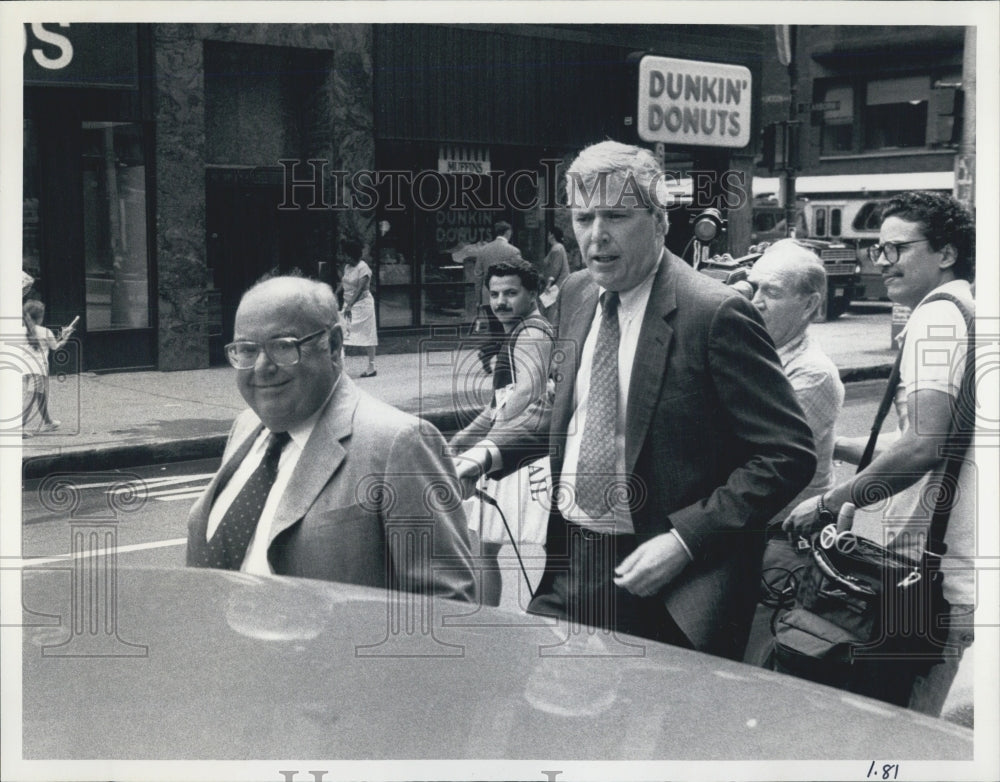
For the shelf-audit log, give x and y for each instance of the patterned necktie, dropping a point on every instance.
(596, 469)
(228, 545)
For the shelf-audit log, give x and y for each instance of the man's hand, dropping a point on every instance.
(468, 471)
(803, 519)
(652, 566)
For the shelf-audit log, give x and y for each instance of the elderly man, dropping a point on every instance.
(319, 479)
(926, 253)
(789, 287)
(675, 435)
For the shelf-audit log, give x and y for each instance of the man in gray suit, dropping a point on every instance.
(675, 435)
(319, 479)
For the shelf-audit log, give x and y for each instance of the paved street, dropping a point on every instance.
(175, 413)
(148, 506)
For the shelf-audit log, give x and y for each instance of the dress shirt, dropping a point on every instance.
(256, 559)
(631, 309)
(820, 393)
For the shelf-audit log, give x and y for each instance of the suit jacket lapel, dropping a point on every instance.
(572, 331)
(320, 459)
(227, 470)
(650, 365)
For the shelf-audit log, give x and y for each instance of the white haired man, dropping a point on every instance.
(675, 435)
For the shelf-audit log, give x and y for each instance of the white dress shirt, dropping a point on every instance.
(631, 309)
(256, 559)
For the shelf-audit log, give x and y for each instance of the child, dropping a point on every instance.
(36, 377)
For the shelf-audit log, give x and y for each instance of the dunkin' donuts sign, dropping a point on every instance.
(691, 102)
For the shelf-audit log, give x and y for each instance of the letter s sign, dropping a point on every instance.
(61, 42)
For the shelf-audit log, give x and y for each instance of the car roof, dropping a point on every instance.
(204, 664)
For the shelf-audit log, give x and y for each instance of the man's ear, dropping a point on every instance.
(949, 256)
(336, 341)
(815, 306)
(661, 217)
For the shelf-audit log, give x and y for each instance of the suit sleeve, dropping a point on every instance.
(768, 430)
(426, 528)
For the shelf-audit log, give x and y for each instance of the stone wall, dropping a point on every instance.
(337, 124)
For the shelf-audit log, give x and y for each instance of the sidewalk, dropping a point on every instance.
(131, 418)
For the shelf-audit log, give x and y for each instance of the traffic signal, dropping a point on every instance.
(780, 148)
(767, 145)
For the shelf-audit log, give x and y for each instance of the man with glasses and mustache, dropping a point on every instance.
(926, 254)
(318, 478)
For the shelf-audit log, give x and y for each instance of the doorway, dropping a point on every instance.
(247, 236)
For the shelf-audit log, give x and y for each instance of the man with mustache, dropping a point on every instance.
(519, 405)
(926, 253)
(675, 435)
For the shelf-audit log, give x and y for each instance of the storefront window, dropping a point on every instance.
(838, 120)
(31, 263)
(395, 274)
(114, 212)
(449, 293)
(895, 113)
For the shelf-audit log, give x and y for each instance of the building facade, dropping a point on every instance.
(879, 109)
(217, 152)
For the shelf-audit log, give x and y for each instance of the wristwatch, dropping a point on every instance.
(823, 514)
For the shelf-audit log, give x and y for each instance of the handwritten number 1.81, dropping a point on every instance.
(888, 771)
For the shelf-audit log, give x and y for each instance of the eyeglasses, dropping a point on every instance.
(891, 250)
(283, 351)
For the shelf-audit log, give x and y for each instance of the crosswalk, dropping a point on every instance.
(166, 489)
(177, 488)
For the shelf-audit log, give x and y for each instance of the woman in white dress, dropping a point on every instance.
(359, 304)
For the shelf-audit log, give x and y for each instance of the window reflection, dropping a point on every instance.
(31, 260)
(114, 219)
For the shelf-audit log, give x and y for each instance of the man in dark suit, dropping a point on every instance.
(500, 250)
(675, 435)
(319, 479)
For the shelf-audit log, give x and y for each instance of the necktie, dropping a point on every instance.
(596, 471)
(228, 545)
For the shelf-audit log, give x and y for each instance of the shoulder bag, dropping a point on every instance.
(865, 618)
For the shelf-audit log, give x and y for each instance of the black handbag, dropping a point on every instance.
(865, 618)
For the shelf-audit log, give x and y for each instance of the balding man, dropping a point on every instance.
(319, 479)
(790, 285)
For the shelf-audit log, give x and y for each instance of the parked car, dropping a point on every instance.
(200, 664)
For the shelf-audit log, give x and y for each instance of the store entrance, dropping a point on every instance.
(247, 235)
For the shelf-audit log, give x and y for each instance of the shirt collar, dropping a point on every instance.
(792, 348)
(961, 289)
(301, 432)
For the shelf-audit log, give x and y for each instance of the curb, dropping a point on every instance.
(116, 457)
(859, 374)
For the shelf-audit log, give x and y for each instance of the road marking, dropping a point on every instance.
(192, 490)
(21, 562)
(152, 483)
(191, 495)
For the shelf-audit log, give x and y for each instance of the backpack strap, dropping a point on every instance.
(532, 321)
